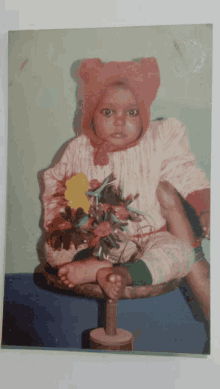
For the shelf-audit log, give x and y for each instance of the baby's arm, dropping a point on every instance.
(178, 165)
(59, 248)
(199, 281)
(200, 201)
(54, 181)
(54, 203)
(198, 276)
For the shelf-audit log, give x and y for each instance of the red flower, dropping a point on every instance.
(88, 224)
(106, 207)
(104, 229)
(94, 241)
(129, 197)
(94, 184)
(120, 212)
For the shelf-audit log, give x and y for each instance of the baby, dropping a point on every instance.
(152, 158)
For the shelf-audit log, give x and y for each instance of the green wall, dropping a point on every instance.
(42, 101)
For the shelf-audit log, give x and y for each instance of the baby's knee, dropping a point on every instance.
(167, 195)
(166, 242)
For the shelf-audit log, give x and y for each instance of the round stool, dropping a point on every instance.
(111, 337)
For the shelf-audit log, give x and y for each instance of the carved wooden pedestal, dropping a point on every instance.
(123, 340)
(111, 337)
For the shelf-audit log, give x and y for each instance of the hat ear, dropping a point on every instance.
(150, 60)
(90, 67)
(150, 67)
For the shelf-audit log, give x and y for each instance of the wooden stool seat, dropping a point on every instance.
(130, 292)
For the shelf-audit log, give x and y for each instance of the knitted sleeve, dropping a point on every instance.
(178, 163)
(55, 178)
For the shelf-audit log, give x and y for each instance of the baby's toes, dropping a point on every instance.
(62, 271)
(117, 288)
(117, 279)
(112, 278)
(113, 294)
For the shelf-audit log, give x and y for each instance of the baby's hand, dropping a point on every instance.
(205, 222)
(58, 239)
(59, 234)
(59, 224)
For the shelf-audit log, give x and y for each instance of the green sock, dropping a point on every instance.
(139, 272)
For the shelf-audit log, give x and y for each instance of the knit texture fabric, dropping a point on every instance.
(162, 154)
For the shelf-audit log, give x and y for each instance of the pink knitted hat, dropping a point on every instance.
(142, 78)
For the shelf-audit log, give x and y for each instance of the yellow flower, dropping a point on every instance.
(75, 193)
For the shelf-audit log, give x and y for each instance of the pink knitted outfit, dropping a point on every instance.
(161, 153)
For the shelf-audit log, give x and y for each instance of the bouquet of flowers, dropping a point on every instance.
(104, 227)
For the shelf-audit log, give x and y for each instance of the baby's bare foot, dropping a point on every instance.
(81, 272)
(110, 283)
(68, 274)
(113, 281)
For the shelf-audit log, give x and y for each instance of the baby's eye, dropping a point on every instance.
(133, 112)
(107, 112)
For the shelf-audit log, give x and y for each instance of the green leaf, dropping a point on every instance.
(101, 254)
(91, 193)
(138, 212)
(96, 250)
(82, 221)
(125, 228)
(115, 219)
(135, 210)
(122, 225)
(98, 191)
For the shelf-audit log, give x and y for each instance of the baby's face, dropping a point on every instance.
(117, 118)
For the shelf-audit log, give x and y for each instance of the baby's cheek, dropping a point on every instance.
(106, 126)
(134, 124)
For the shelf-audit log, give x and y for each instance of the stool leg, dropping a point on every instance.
(111, 317)
(111, 338)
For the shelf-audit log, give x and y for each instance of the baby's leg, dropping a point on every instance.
(81, 272)
(178, 225)
(173, 212)
(170, 255)
(166, 258)
(113, 280)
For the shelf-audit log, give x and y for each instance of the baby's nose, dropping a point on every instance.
(119, 118)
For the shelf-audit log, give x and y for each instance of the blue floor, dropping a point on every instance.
(41, 317)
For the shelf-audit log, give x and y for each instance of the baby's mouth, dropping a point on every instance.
(118, 135)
